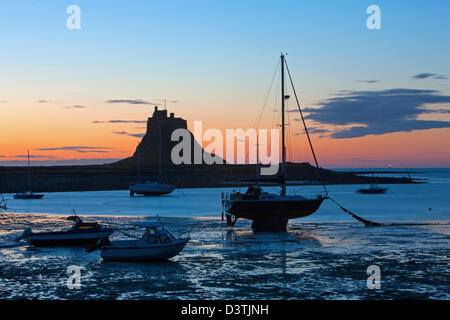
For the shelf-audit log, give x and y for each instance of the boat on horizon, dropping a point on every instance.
(80, 234)
(373, 189)
(157, 243)
(270, 211)
(27, 195)
(151, 188)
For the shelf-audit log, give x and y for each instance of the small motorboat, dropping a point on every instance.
(28, 195)
(157, 243)
(150, 189)
(81, 234)
(373, 189)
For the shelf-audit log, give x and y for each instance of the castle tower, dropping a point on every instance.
(159, 126)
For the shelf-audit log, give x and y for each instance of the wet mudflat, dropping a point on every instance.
(313, 260)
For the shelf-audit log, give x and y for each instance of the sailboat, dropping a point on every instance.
(28, 194)
(151, 188)
(269, 211)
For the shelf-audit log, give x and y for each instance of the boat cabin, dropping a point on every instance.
(87, 226)
(154, 234)
(81, 225)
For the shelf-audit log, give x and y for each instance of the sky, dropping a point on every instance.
(373, 98)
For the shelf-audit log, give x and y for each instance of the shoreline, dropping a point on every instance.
(236, 185)
(113, 177)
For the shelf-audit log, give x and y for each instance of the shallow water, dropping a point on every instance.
(325, 256)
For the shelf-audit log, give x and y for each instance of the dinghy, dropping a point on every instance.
(157, 243)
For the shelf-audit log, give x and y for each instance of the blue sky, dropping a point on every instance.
(328, 43)
(216, 57)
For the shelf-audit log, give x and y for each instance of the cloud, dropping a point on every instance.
(33, 156)
(427, 75)
(379, 112)
(120, 121)
(61, 162)
(79, 149)
(77, 106)
(129, 101)
(370, 160)
(367, 81)
(136, 135)
(43, 101)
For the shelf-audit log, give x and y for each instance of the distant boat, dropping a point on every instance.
(157, 243)
(151, 188)
(28, 194)
(373, 189)
(269, 211)
(81, 234)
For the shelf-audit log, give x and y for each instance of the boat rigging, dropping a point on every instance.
(271, 212)
(27, 195)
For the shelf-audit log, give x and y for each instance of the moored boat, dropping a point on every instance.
(27, 195)
(373, 189)
(150, 188)
(80, 234)
(157, 243)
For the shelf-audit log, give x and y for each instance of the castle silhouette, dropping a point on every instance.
(159, 126)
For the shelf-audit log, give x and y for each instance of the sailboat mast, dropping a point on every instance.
(283, 147)
(29, 174)
(257, 155)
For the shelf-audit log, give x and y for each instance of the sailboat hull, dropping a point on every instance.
(141, 253)
(151, 189)
(67, 238)
(28, 196)
(270, 215)
(372, 191)
(287, 209)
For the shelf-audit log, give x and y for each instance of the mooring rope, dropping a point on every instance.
(367, 223)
